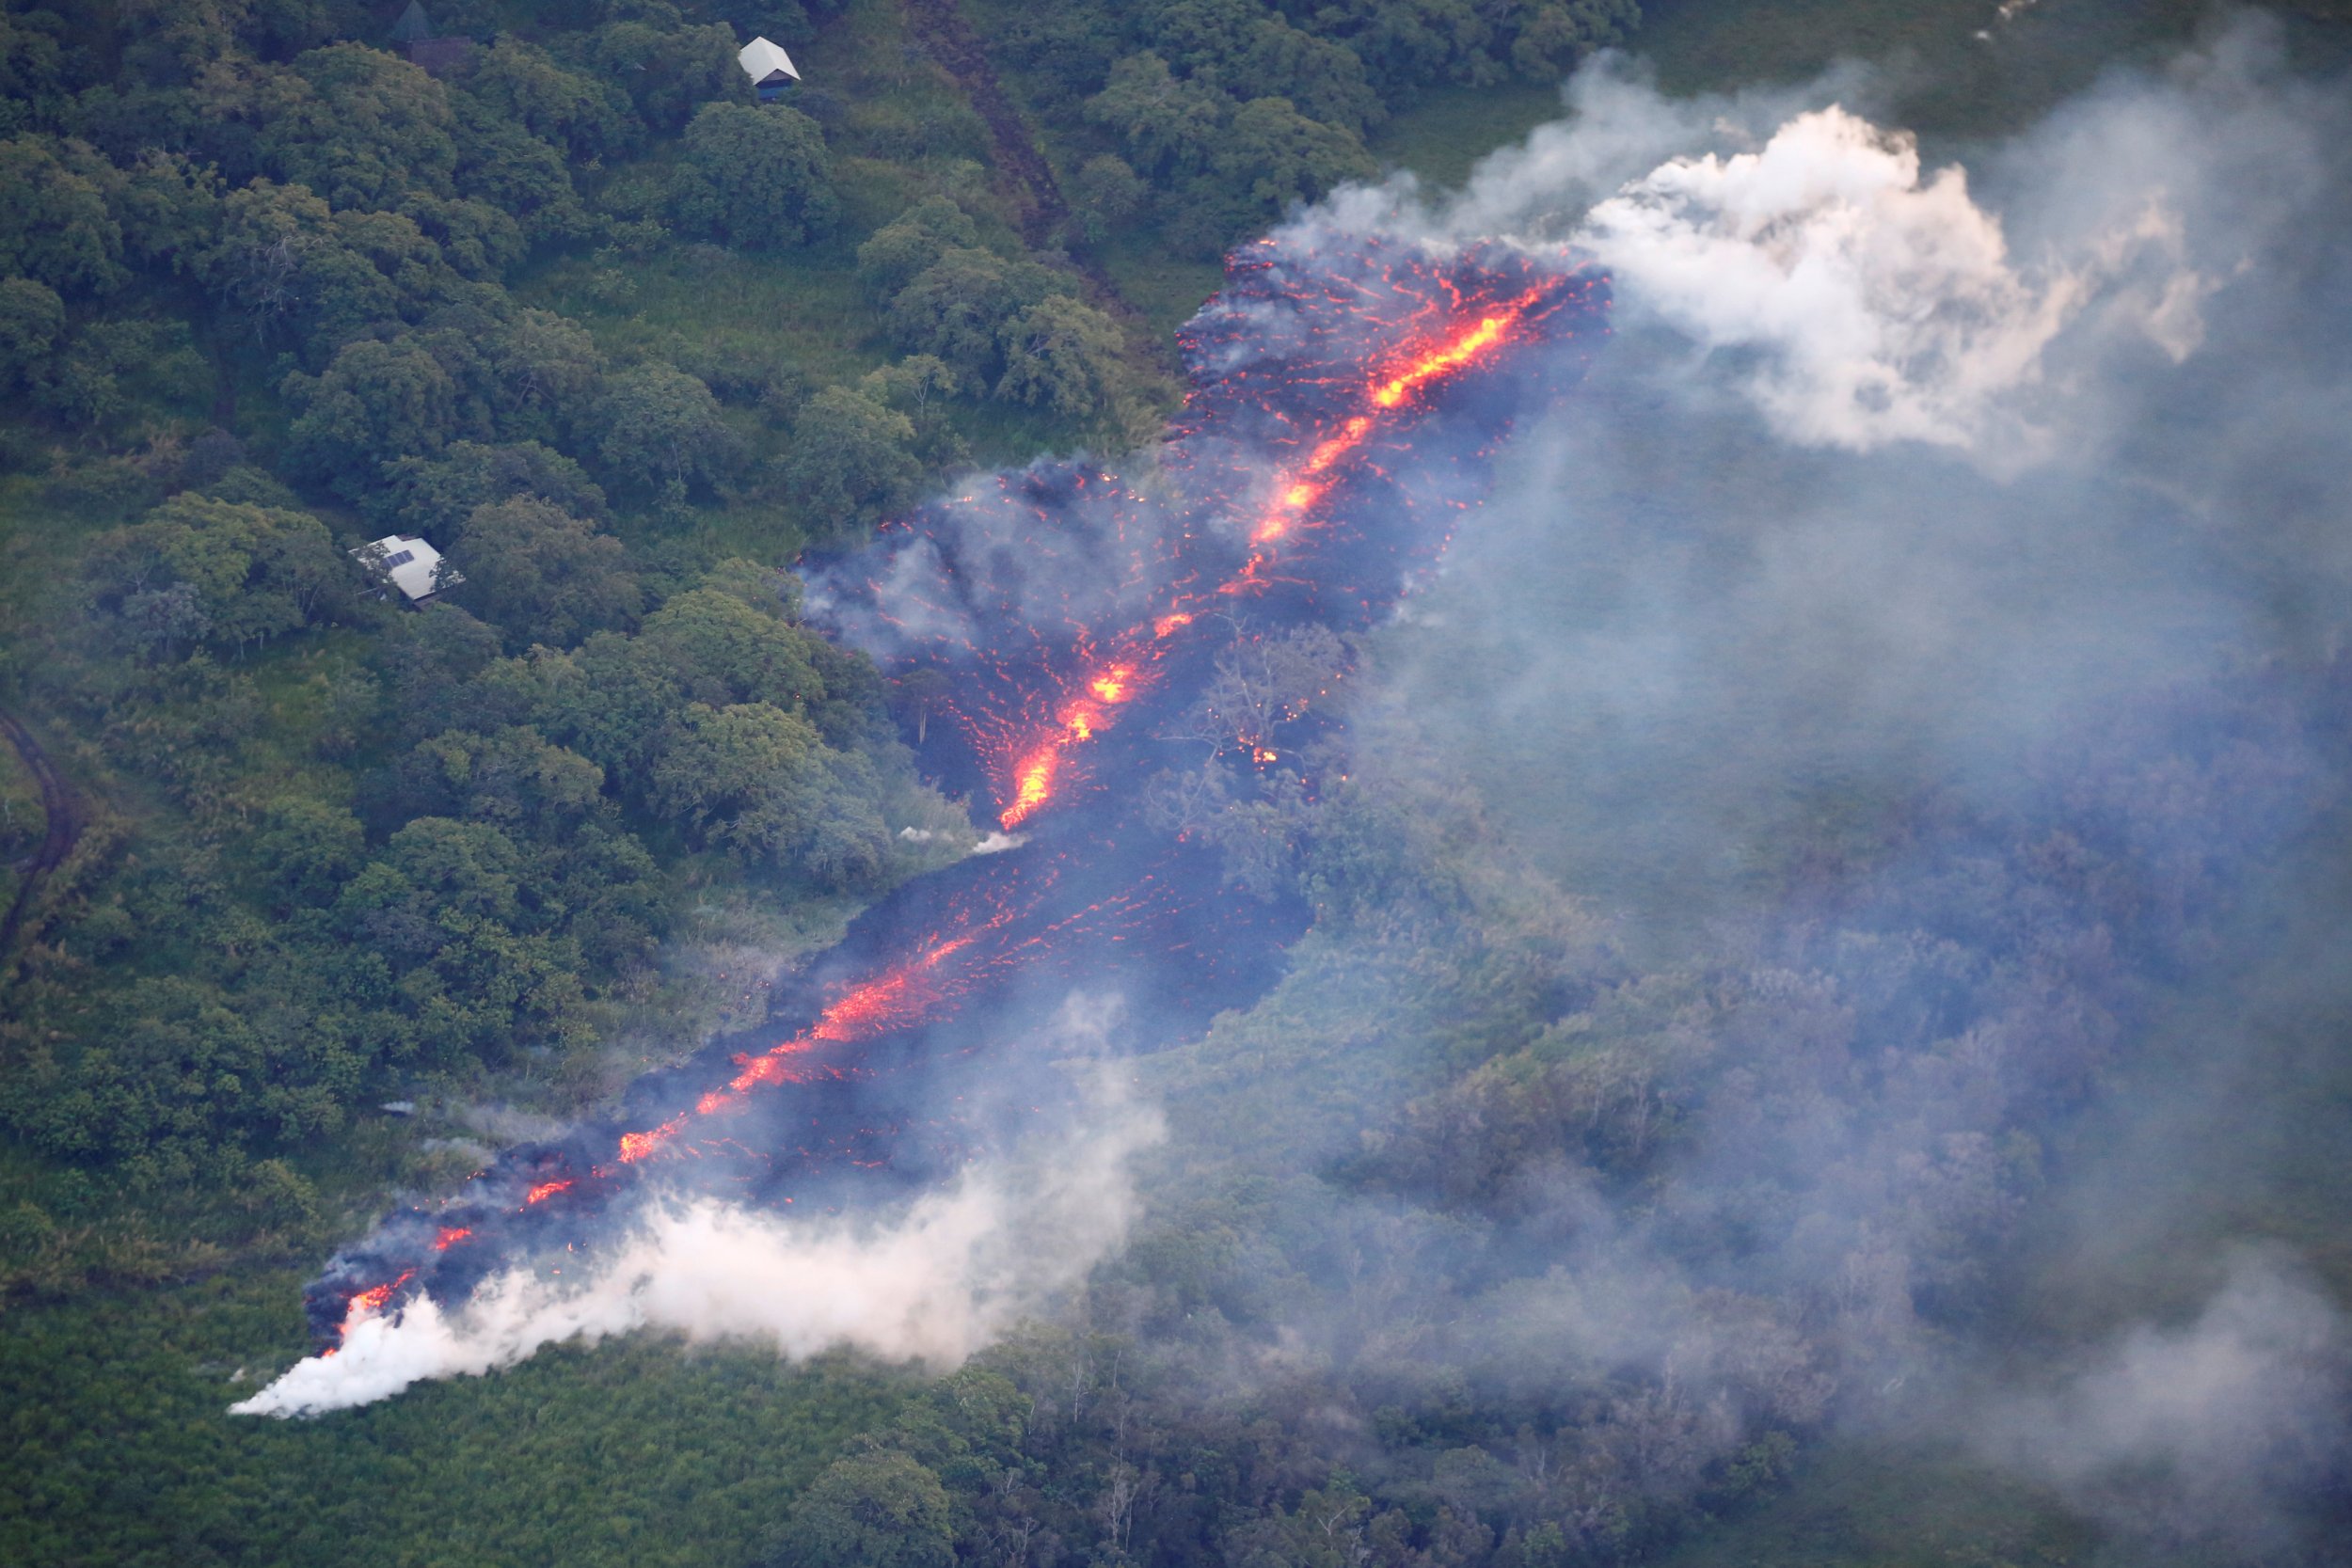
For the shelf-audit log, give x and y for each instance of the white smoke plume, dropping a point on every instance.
(2222, 1418)
(1859, 297)
(1880, 304)
(934, 1283)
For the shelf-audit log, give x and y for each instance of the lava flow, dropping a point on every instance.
(1344, 403)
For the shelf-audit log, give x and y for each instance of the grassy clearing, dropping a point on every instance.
(1953, 69)
(1442, 137)
(1857, 1505)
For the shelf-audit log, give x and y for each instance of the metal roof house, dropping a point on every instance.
(769, 68)
(409, 565)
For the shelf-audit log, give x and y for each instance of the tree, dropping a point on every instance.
(656, 423)
(1325, 79)
(546, 370)
(256, 571)
(543, 575)
(1065, 353)
(522, 84)
(502, 163)
(1553, 37)
(324, 276)
(900, 249)
(1283, 157)
(722, 647)
(670, 71)
(758, 781)
(377, 401)
(425, 493)
(169, 206)
(1261, 684)
(32, 74)
(1108, 192)
(479, 240)
(32, 319)
(957, 308)
(1170, 127)
(757, 177)
(55, 225)
(919, 386)
(881, 1510)
(512, 779)
(358, 126)
(160, 618)
(310, 849)
(850, 456)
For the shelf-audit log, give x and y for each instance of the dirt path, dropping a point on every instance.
(63, 825)
(949, 40)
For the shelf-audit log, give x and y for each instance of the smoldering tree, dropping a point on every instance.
(1263, 682)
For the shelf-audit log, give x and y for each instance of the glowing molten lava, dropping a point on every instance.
(1078, 623)
(1036, 784)
(1425, 362)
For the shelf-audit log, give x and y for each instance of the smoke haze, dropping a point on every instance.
(1918, 637)
(931, 1283)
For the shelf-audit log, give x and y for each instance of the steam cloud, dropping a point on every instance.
(1883, 308)
(932, 1284)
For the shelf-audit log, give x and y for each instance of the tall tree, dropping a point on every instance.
(757, 177)
(541, 575)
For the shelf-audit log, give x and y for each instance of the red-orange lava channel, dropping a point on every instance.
(1031, 761)
(904, 993)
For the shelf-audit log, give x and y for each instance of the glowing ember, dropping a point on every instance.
(545, 1190)
(450, 1236)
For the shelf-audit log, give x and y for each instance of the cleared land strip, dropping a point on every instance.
(951, 42)
(62, 826)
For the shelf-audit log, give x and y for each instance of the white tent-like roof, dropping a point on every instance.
(766, 63)
(408, 560)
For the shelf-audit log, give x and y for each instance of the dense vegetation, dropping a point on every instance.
(622, 341)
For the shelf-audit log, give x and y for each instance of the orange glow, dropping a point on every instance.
(1034, 785)
(370, 1302)
(1298, 491)
(1091, 684)
(637, 1145)
(1452, 356)
(451, 1237)
(897, 996)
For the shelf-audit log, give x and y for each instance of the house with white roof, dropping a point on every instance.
(769, 68)
(408, 563)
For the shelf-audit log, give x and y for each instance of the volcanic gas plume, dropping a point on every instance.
(1344, 400)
